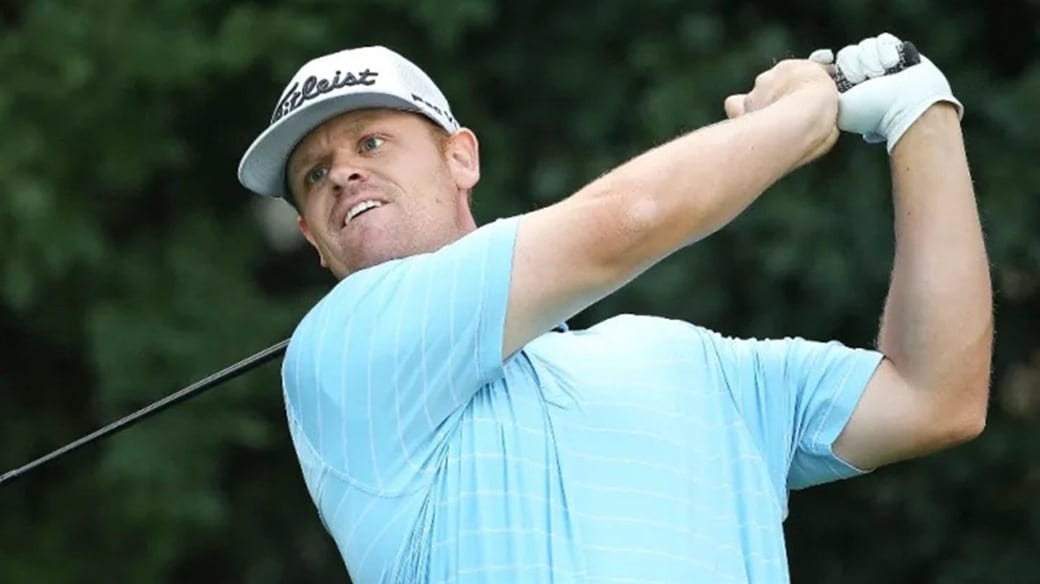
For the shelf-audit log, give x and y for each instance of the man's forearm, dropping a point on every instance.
(688, 188)
(571, 254)
(937, 327)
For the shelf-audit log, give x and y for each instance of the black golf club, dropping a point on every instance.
(194, 389)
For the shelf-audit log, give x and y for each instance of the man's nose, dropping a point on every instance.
(343, 174)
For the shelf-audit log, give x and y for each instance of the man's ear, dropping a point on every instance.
(310, 237)
(463, 154)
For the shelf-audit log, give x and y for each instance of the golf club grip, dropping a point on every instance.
(908, 57)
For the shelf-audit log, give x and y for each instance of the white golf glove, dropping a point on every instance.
(880, 106)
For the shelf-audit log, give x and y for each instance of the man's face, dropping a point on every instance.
(376, 185)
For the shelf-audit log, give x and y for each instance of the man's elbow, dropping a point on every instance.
(967, 430)
(977, 422)
(964, 421)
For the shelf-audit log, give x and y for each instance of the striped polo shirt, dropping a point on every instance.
(639, 450)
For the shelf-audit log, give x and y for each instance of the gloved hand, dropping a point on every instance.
(880, 106)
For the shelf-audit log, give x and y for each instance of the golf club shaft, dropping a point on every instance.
(194, 389)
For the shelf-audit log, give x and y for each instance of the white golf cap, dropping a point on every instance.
(353, 79)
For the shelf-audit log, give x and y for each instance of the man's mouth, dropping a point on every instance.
(360, 208)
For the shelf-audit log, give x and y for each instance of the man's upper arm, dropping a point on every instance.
(890, 423)
(567, 257)
(577, 251)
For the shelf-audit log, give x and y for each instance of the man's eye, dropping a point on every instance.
(371, 143)
(316, 175)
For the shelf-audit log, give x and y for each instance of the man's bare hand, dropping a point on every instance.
(795, 79)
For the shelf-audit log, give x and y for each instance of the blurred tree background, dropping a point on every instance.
(136, 264)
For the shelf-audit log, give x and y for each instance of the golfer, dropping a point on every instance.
(451, 428)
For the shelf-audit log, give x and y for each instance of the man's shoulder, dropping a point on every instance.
(396, 284)
(358, 295)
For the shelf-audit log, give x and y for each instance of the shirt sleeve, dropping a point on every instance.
(376, 372)
(796, 396)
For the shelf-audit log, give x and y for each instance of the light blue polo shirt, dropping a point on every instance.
(639, 450)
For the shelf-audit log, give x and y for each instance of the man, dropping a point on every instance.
(451, 429)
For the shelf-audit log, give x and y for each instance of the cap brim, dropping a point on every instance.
(262, 168)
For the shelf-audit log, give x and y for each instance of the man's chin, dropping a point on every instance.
(370, 261)
(373, 257)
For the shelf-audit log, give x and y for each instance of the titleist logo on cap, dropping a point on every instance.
(314, 86)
